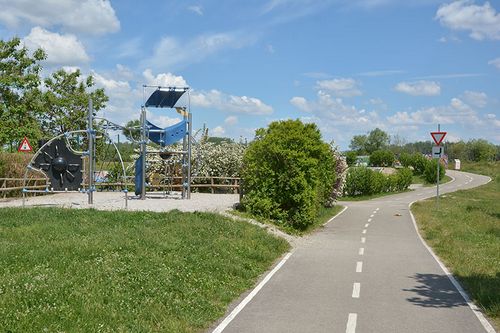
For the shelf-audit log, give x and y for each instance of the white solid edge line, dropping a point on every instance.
(351, 323)
(333, 218)
(252, 294)
(487, 326)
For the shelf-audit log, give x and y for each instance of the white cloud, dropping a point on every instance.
(164, 79)
(230, 103)
(419, 88)
(172, 53)
(86, 16)
(340, 87)
(334, 110)
(483, 22)
(456, 112)
(160, 120)
(495, 62)
(476, 98)
(231, 120)
(113, 88)
(61, 49)
(197, 9)
(217, 131)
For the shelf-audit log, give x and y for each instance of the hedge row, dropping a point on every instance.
(422, 166)
(364, 181)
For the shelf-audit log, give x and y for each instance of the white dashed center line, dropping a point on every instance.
(368, 224)
(364, 230)
(374, 215)
(351, 323)
(369, 220)
(362, 249)
(356, 287)
(363, 239)
(359, 267)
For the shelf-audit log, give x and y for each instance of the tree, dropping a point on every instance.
(481, 150)
(19, 92)
(358, 144)
(288, 173)
(66, 102)
(132, 130)
(377, 140)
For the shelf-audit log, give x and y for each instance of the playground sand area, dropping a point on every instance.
(201, 202)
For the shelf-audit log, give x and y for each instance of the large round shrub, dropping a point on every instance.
(419, 163)
(288, 173)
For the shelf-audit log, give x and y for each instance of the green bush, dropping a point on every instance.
(402, 179)
(405, 159)
(382, 158)
(288, 173)
(350, 157)
(363, 181)
(419, 163)
(430, 173)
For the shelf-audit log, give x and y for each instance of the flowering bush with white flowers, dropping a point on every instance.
(341, 175)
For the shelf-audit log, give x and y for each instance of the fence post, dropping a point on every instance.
(212, 184)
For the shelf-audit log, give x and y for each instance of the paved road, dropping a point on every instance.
(366, 271)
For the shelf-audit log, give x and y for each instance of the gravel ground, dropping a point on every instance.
(202, 202)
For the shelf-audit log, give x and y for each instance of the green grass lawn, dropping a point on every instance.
(465, 233)
(91, 271)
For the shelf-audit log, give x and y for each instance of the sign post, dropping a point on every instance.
(437, 152)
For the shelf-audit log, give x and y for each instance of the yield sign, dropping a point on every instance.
(438, 137)
(25, 146)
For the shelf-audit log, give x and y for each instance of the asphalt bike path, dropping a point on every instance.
(365, 271)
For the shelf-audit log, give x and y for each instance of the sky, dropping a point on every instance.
(347, 65)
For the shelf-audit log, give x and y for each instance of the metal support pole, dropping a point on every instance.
(184, 162)
(437, 187)
(143, 152)
(90, 129)
(190, 129)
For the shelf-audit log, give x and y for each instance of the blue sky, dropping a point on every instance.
(347, 65)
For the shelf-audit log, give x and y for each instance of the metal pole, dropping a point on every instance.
(190, 128)
(437, 187)
(91, 153)
(143, 152)
(184, 162)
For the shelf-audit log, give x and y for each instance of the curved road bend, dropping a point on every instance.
(367, 271)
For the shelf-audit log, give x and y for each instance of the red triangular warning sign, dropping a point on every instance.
(438, 137)
(25, 146)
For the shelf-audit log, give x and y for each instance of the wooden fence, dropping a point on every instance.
(13, 185)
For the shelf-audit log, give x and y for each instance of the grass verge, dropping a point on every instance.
(92, 271)
(324, 215)
(465, 234)
(371, 196)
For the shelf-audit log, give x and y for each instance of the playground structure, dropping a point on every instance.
(69, 160)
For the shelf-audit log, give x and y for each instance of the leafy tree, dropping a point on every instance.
(288, 173)
(66, 102)
(382, 158)
(376, 140)
(133, 130)
(358, 144)
(405, 159)
(19, 92)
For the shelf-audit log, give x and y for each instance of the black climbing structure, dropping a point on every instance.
(61, 165)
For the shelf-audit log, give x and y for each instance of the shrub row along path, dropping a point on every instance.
(365, 271)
